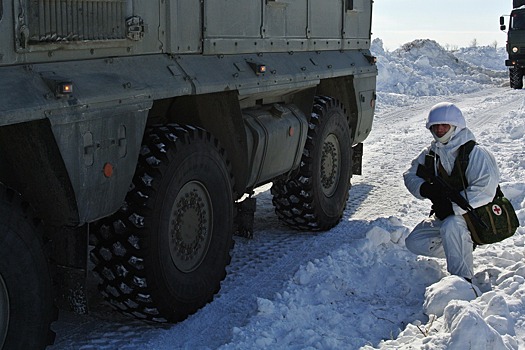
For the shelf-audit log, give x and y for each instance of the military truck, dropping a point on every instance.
(134, 133)
(515, 43)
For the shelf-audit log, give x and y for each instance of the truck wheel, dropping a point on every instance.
(164, 254)
(516, 78)
(26, 295)
(316, 198)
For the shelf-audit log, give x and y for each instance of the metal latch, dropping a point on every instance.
(135, 26)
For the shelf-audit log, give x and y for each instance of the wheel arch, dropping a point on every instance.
(31, 163)
(342, 89)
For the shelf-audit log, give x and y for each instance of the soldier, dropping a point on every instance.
(445, 233)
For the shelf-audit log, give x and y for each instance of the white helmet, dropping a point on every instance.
(446, 113)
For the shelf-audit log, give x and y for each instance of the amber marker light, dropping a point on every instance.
(64, 88)
(258, 68)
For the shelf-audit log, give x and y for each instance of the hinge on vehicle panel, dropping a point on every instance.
(135, 27)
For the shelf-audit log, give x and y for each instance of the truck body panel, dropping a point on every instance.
(97, 28)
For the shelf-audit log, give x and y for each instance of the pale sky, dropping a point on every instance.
(449, 22)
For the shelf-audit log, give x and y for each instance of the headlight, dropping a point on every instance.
(515, 49)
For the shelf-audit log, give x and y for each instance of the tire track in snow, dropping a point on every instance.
(484, 110)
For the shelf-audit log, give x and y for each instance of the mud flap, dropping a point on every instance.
(357, 159)
(70, 252)
(243, 221)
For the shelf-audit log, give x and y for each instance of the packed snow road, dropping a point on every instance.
(262, 267)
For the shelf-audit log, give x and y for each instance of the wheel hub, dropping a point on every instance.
(330, 167)
(190, 226)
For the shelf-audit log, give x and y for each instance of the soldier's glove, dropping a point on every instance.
(430, 191)
(442, 207)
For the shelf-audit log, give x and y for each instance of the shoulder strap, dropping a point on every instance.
(462, 161)
(464, 155)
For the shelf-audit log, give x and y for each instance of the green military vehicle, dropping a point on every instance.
(515, 43)
(134, 132)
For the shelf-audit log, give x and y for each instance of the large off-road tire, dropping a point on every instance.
(164, 254)
(26, 295)
(516, 78)
(316, 198)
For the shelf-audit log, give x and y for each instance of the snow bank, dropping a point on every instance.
(424, 68)
(313, 310)
(440, 294)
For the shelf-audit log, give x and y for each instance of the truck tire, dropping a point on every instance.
(316, 197)
(516, 78)
(26, 294)
(164, 254)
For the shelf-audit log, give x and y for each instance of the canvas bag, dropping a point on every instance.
(500, 217)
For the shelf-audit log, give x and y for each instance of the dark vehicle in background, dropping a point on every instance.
(515, 43)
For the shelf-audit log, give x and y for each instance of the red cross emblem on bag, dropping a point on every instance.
(496, 209)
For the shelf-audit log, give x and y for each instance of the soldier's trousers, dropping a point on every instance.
(448, 239)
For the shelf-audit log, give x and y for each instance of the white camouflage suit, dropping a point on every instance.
(450, 238)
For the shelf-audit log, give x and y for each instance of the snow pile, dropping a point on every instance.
(484, 56)
(459, 319)
(313, 311)
(424, 68)
(440, 294)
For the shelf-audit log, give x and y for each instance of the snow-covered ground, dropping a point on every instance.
(357, 286)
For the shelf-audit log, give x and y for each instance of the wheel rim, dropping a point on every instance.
(330, 165)
(4, 311)
(191, 223)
